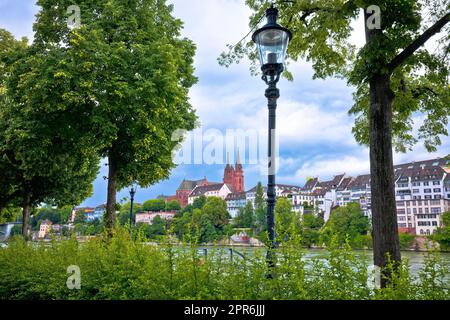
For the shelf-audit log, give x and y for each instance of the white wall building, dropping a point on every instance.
(235, 201)
(220, 190)
(147, 217)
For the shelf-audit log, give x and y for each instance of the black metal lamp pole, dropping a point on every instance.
(272, 41)
(271, 77)
(132, 193)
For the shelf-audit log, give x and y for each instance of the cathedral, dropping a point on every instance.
(234, 176)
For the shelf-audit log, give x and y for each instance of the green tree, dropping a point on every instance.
(442, 234)
(246, 217)
(45, 213)
(199, 202)
(129, 66)
(181, 224)
(395, 75)
(286, 221)
(80, 217)
(260, 209)
(154, 205)
(10, 214)
(43, 148)
(173, 205)
(346, 223)
(216, 209)
(406, 240)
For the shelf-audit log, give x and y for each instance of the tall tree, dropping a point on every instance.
(137, 70)
(245, 217)
(260, 209)
(216, 209)
(43, 155)
(395, 75)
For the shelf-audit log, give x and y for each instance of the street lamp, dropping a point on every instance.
(132, 193)
(272, 41)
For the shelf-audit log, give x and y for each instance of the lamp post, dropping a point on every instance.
(132, 193)
(271, 41)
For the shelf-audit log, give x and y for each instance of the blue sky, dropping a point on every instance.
(313, 125)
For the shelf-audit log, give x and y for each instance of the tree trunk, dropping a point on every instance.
(26, 208)
(384, 212)
(110, 217)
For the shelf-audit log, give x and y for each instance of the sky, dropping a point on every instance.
(314, 128)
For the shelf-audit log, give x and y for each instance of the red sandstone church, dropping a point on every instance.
(232, 176)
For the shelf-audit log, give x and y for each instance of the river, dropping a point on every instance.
(416, 259)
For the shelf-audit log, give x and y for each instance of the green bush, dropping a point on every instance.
(406, 240)
(121, 268)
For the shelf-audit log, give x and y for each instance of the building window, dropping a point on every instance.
(436, 183)
(428, 197)
(437, 190)
(426, 183)
(416, 191)
(416, 184)
(427, 190)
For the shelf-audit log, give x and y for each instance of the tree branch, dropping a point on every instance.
(420, 41)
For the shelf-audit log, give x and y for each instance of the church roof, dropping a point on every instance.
(236, 196)
(201, 190)
(191, 184)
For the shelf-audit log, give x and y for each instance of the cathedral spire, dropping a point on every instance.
(238, 157)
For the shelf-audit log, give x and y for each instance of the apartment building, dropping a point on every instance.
(221, 190)
(235, 201)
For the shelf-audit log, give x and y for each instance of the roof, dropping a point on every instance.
(286, 188)
(255, 187)
(236, 196)
(311, 184)
(85, 209)
(441, 162)
(201, 190)
(319, 192)
(421, 173)
(360, 182)
(344, 184)
(191, 184)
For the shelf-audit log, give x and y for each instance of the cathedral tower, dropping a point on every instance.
(228, 174)
(238, 185)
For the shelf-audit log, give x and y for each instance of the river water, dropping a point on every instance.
(416, 259)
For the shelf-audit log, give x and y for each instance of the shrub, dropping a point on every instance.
(121, 268)
(406, 240)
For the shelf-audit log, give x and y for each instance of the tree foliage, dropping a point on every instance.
(173, 205)
(246, 217)
(44, 154)
(322, 31)
(154, 205)
(127, 72)
(442, 235)
(346, 223)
